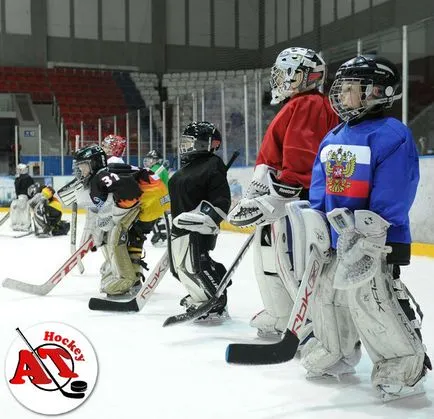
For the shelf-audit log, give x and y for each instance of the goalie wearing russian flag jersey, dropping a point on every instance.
(200, 199)
(283, 172)
(365, 177)
(124, 204)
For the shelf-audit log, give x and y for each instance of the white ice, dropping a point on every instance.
(147, 371)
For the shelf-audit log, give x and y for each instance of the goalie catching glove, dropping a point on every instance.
(266, 208)
(205, 219)
(361, 245)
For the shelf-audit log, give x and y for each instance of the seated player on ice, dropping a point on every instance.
(200, 199)
(365, 177)
(47, 212)
(283, 173)
(123, 203)
(20, 210)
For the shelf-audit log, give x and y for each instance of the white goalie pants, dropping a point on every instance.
(374, 314)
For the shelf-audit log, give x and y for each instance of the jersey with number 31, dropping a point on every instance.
(125, 189)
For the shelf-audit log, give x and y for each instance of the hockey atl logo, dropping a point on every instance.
(51, 368)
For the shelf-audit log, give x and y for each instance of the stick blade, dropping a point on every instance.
(203, 309)
(100, 304)
(16, 285)
(263, 354)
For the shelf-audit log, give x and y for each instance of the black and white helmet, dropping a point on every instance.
(364, 84)
(198, 138)
(88, 161)
(153, 157)
(296, 70)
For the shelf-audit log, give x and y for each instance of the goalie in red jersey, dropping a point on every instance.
(282, 173)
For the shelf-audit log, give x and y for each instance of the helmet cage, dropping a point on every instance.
(372, 97)
(80, 171)
(296, 70)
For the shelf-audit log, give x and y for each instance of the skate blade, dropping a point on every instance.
(403, 394)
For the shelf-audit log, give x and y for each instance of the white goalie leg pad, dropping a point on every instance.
(333, 350)
(123, 273)
(184, 268)
(20, 214)
(388, 335)
(360, 247)
(275, 280)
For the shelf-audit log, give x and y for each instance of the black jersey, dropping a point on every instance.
(125, 189)
(22, 183)
(204, 178)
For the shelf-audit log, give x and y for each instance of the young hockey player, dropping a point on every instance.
(20, 210)
(123, 203)
(200, 200)
(114, 147)
(283, 171)
(154, 161)
(47, 212)
(365, 177)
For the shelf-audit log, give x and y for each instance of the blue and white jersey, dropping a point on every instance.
(371, 165)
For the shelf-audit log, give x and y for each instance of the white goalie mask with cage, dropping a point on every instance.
(296, 70)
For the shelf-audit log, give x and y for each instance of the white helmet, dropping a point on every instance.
(22, 169)
(296, 70)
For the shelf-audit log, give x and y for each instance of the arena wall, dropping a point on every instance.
(421, 214)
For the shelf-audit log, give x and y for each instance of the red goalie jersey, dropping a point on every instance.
(293, 137)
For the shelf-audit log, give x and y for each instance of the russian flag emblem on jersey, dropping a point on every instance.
(347, 169)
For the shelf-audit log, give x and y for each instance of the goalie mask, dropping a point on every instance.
(114, 145)
(364, 84)
(296, 70)
(22, 169)
(88, 161)
(199, 138)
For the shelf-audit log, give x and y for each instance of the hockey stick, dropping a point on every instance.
(38, 358)
(232, 159)
(297, 330)
(46, 287)
(5, 218)
(18, 236)
(213, 302)
(74, 235)
(142, 297)
(169, 244)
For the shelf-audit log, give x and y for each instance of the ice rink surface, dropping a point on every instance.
(147, 371)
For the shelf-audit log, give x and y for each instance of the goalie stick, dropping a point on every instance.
(74, 235)
(214, 300)
(141, 298)
(46, 287)
(296, 331)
